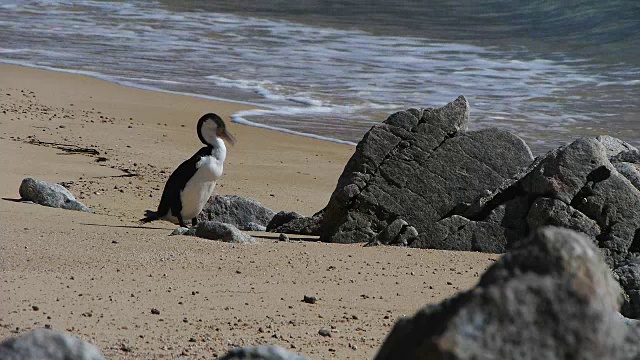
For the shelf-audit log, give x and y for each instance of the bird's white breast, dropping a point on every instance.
(200, 187)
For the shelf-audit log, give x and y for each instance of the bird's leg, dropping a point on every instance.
(181, 221)
(194, 221)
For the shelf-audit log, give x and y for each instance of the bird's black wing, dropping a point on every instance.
(177, 181)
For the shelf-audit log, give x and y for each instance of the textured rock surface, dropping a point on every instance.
(282, 218)
(244, 213)
(262, 352)
(214, 230)
(590, 186)
(550, 297)
(417, 167)
(614, 146)
(575, 186)
(52, 195)
(629, 278)
(49, 345)
(294, 223)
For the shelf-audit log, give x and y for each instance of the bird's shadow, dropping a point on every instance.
(127, 226)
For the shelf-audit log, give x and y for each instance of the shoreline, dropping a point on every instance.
(236, 117)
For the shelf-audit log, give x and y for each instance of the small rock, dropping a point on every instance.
(52, 195)
(155, 311)
(180, 231)
(35, 307)
(282, 218)
(310, 299)
(283, 237)
(214, 230)
(325, 332)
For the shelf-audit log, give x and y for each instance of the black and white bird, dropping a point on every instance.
(191, 185)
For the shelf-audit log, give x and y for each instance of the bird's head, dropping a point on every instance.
(211, 127)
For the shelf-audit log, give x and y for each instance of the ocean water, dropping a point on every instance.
(548, 71)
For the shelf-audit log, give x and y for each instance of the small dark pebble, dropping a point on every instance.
(283, 237)
(115, 242)
(35, 307)
(449, 283)
(192, 340)
(324, 332)
(155, 311)
(310, 299)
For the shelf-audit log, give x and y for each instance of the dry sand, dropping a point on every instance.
(99, 275)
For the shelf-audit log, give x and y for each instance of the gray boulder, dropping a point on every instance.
(52, 195)
(582, 186)
(575, 186)
(244, 213)
(214, 230)
(49, 345)
(262, 352)
(550, 297)
(418, 167)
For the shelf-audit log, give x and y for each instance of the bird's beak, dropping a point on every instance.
(226, 135)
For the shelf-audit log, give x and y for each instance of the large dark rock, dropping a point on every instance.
(49, 345)
(590, 186)
(244, 213)
(575, 186)
(416, 168)
(52, 195)
(262, 352)
(551, 297)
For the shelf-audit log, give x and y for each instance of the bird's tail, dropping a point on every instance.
(149, 216)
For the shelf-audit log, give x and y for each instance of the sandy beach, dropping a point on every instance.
(99, 275)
